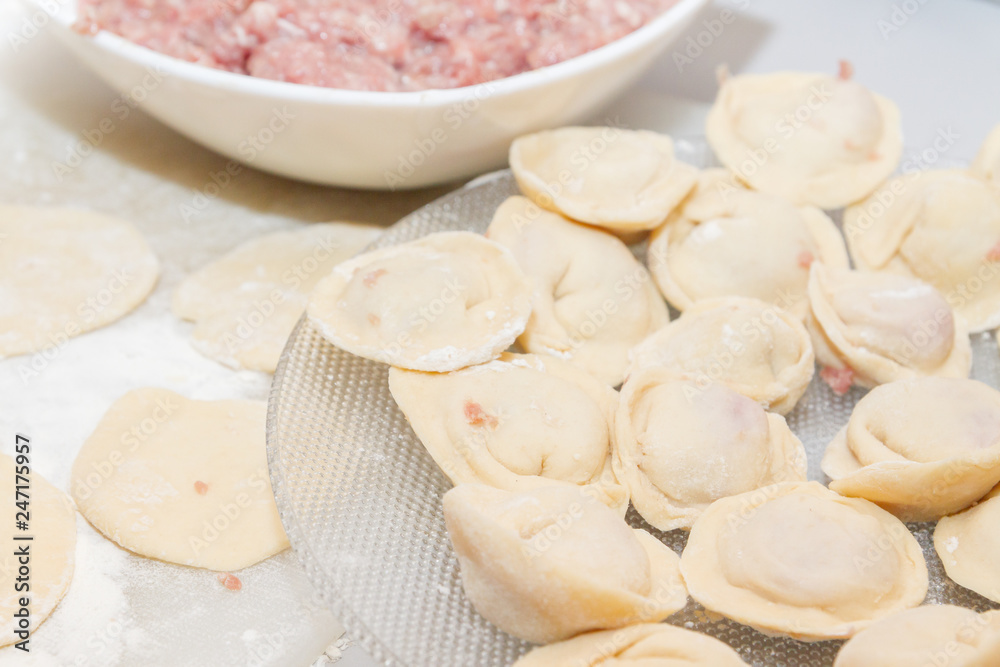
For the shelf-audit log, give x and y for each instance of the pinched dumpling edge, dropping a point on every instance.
(592, 649)
(522, 578)
(788, 458)
(706, 584)
(911, 490)
(870, 368)
(791, 382)
(432, 433)
(835, 190)
(677, 183)
(663, 245)
(517, 295)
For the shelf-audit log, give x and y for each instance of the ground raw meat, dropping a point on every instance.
(386, 45)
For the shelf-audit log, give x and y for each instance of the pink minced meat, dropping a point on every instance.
(385, 45)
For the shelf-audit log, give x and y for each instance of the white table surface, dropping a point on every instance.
(939, 60)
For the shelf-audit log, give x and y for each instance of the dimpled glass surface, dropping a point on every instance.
(361, 499)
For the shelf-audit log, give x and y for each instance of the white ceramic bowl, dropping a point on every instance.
(368, 139)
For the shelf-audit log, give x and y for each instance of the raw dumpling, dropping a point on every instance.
(987, 163)
(810, 138)
(64, 272)
(646, 644)
(246, 303)
(51, 522)
(878, 327)
(622, 180)
(969, 546)
(730, 241)
(797, 559)
(920, 448)
(593, 299)
(440, 303)
(927, 636)
(180, 480)
(940, 226)
(515, 422)
(552, 562)
(681, 447)
(755, 348)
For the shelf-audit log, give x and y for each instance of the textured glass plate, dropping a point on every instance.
(361, 499)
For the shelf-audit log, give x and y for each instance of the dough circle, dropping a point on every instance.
(64, 272)
(440, 303)
(246, 303)
(181, 481)
(52, 525)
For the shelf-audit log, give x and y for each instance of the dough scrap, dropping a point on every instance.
(813, 139)
(440, 303)
(681, 447)
(621, 180)
(593, 299)
(920, 448)
(755, 348)
(514, 423)
(246, 303)
(927, 635)
(64, 272)
(884, 327)
(987, 162)
(645, 644)
(52, 525)
(731, 241)
(552, 562)
(181, 481)
(799, 560)
(969, 546)
(941, 226)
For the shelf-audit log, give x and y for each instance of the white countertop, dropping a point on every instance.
(938, 60)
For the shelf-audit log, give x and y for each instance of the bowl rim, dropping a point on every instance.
(232, 82)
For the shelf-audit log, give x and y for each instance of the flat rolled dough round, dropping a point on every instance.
(246, 303)
(64, 272)
(180, 480)
(52, 525)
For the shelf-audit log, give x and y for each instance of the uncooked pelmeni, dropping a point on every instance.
(622, 180)
(246, 303)
(180, 480)
(51, 523)
(681, 447)
(64, 272)
(987, 162)
(730, 241)
(642, 645)
(797, 559)
(920, 448)
(941, 226)
(926, 636)
(440, 303)
(552, 562)
(593, 299)
(758, 349)
(810, 138)
(878, 327)
(969, 546)
(515, 422)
